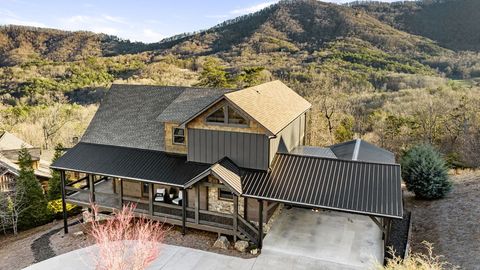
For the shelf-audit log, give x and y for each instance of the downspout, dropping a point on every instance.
(268, 149)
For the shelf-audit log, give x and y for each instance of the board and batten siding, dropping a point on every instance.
(247, 150)
(290, 137)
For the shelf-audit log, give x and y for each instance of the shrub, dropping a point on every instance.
(419, 261)
(55, 207)
(425, 172)
(125, 242)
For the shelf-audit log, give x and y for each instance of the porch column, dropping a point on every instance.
(121, 192)
(235, 217)
(64, 205)
(150, 199)
(91, 184)
(184, 211)
(197, 203)
(260, 223)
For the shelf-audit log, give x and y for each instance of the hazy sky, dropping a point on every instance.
(137, 20)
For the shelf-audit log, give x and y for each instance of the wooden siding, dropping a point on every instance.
(200, 123)
(244, 149)
(169, 145)
(290, 137)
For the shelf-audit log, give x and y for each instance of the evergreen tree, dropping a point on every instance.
(214, 75)
(425, 172)
(37, 213)
(54, 184)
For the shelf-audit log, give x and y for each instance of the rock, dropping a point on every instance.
(79, 233)
(254, 251)
(222, 242)
(241, 246)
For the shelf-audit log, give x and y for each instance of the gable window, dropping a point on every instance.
(217, 117)
(224, 194)
(228, 116)
(178, 136)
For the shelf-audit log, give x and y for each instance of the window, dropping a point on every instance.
(227, 115)
(235, 118)
(217, 117)
(178, 136)
(224, 194)
(145, 189)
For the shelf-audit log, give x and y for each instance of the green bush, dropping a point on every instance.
(55, 207)
(425, 172)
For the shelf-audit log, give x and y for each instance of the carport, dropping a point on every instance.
(369, 191)
(328, 239)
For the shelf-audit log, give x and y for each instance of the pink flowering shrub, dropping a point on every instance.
(125, 241)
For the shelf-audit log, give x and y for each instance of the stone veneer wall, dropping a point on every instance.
(222, 206)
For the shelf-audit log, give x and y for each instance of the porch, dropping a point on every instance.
(110, 193)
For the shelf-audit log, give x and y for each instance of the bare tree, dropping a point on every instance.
(57, 117)
(12, 205)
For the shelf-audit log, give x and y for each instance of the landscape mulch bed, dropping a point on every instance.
(399, 236)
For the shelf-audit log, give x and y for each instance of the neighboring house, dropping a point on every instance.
(10, 147)
(222, 160)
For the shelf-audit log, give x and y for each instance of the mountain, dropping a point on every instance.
(454, 24)
(362, 47)
(20, 44)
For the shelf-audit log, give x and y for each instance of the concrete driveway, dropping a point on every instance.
(301, 238)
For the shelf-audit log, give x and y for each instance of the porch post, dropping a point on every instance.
(91, 184)
(121, 192)
(184, 211)
(197, 203)
(260, 223)
(64, 205)
(235, 217)
(150, 199)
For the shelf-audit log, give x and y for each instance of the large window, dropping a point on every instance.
(228, 116)
(178, 136)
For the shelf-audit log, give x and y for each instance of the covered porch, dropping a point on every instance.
(185, 207)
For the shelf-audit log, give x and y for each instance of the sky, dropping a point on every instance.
(137, 20)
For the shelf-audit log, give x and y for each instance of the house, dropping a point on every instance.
(222, 160)
(10, 146)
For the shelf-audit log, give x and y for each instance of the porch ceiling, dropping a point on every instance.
(129, 163)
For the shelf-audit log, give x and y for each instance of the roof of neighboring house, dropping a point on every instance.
(361, 150)
(344, 185)
(8, 141)
(313, 151)
(129, 163)
(7, 166)
(273, 105)
(133, 115)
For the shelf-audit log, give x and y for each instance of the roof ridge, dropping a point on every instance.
(338, 159)
(356, 150)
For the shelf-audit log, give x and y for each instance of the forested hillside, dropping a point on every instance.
(365, 71)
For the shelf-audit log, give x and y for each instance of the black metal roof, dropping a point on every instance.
(344, 185)
(130, 163)
(362, 150)
(313, 151)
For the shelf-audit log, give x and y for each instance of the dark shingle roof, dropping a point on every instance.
(128, 115)
(363, 151)
(344, 185)
(189, 102)
(130, 163)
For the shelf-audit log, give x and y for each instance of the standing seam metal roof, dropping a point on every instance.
(130, 163)
(351, 186)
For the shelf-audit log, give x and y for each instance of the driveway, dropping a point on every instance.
(299, 239)
(330, 240)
